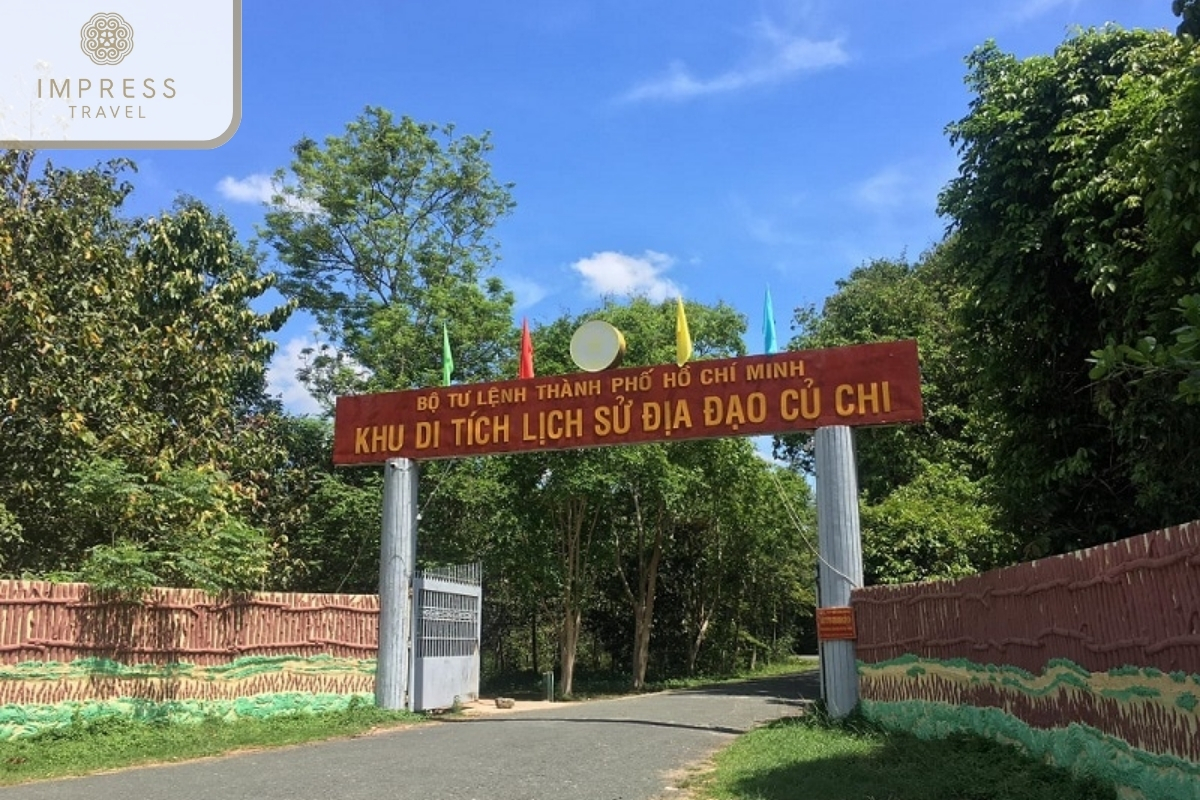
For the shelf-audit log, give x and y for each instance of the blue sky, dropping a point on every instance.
(708, 149)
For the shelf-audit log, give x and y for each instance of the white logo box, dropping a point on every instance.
(120, 74)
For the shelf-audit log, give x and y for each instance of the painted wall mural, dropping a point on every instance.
(1091, 659)
(66, 652)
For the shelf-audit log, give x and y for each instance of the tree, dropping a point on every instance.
(648, 488)
(1188, 12)
(889, 299)
(1163, 160)
(907, 471)
(129, 340)
(938, 526)
(384, 234)
(1068, 238)
(742, 567)
(616, 515)
(180, 527)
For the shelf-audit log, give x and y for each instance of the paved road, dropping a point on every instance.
(621, 749)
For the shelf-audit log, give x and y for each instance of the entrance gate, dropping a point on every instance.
(827, 391)
(446, 621)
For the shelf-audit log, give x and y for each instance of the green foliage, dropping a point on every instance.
(892, 299)
(1189, 13)
(1076, 231)
(384, 234)
(924, 512)
(1159, 166)
(125, 340)
(178, 527)
(688, 542)
(10, 534)
(337, 541)
(939, 526)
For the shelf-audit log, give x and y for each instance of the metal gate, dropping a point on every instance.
(447, 602)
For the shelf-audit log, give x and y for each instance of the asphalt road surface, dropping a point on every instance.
(622, 749)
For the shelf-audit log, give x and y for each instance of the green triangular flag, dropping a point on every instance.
(447, 357)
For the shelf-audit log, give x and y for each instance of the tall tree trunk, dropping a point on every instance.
(568, 647)
(705, 595)
(533, 639)
(575, 530)
(698, 639)
(643, 622)
(641, 601)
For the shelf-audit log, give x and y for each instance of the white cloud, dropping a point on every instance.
(778, 56)
(889, 188)
(765, 227)
(612, 273)
(259, 188)
(1029, 9)
(906, 185)
(255, 188)
(282, 380)
(527, 292)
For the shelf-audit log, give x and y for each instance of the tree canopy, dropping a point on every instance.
(1076, 235)
(1188, 12)
(385, 233)
(703, 521)
(925, 509)
(127, 341)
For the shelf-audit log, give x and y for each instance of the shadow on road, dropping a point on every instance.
(803, 686)
(794, 691)
(613, 721)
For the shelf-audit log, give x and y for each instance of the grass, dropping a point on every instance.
(811, 757)
(116, 742)
(589, 685)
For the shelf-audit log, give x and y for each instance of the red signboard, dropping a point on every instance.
(834, 623)
(869, 384)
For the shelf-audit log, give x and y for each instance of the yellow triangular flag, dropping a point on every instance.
(683, 339)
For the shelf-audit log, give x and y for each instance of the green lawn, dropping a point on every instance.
(115, 742)
(591, 685)
(810, 759)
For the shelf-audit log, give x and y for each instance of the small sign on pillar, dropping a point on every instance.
(835, 623)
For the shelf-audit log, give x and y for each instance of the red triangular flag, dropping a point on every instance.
(526, 368)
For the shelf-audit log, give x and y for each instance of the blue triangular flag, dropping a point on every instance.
(770, 345)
